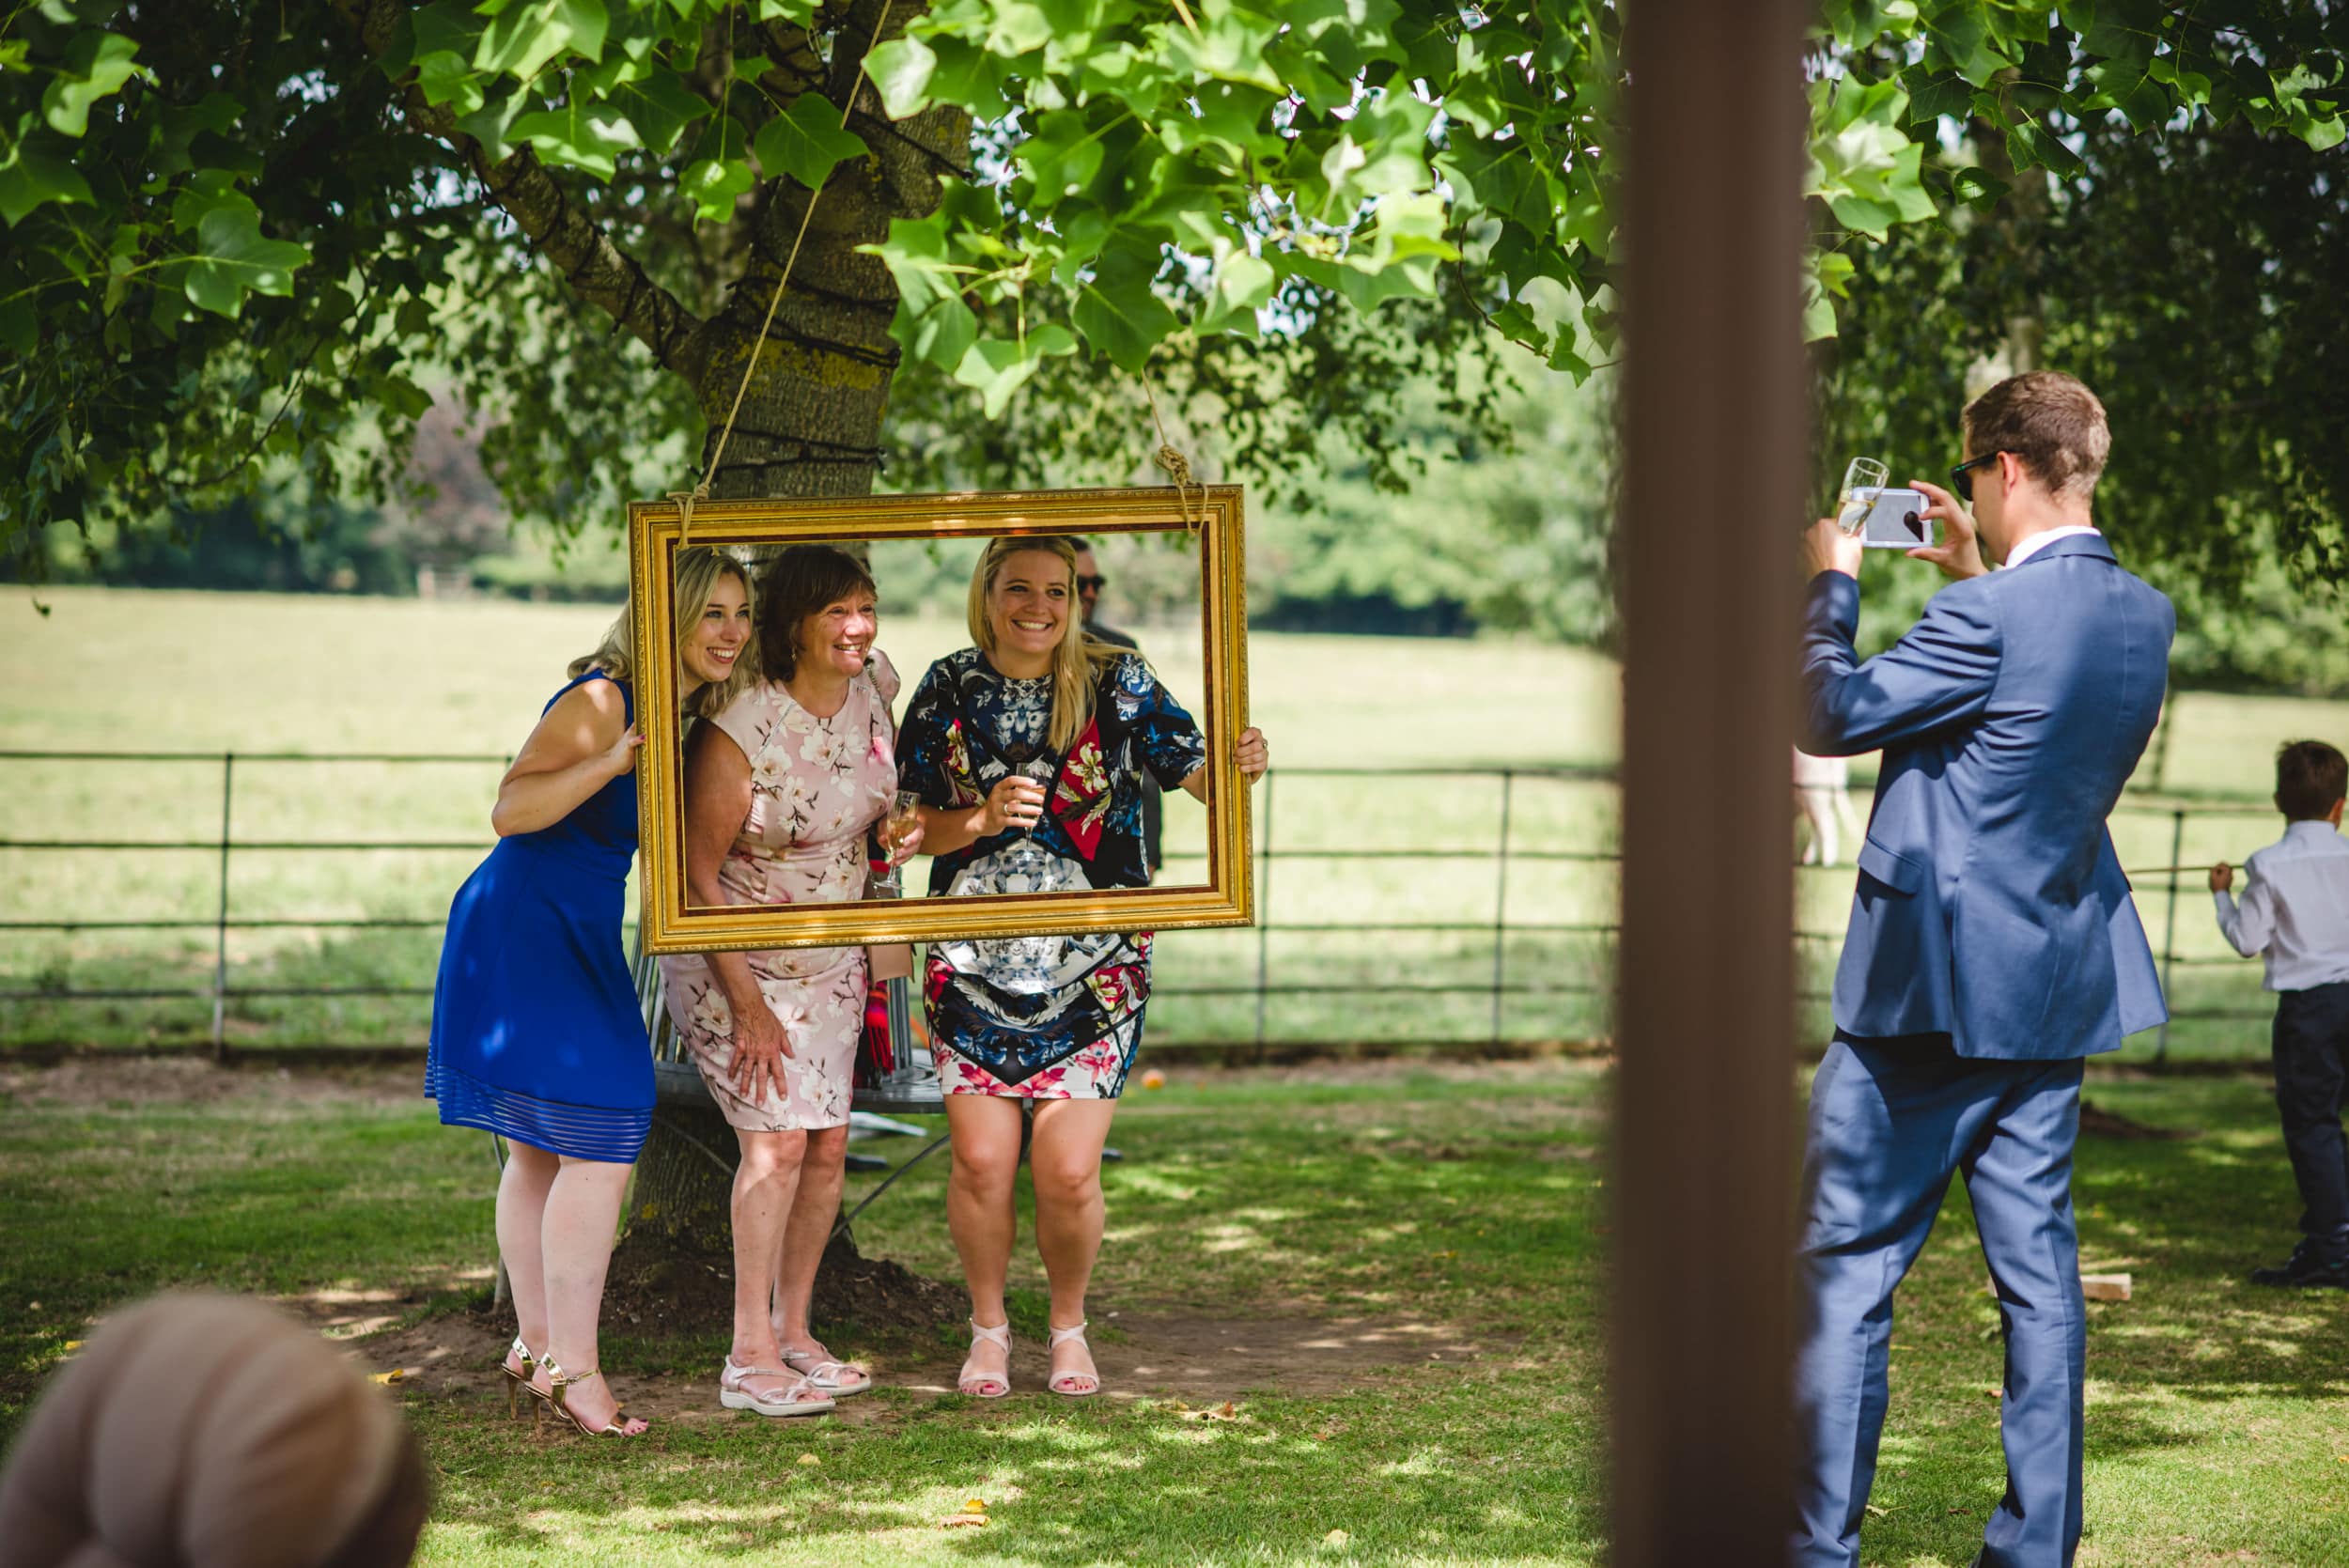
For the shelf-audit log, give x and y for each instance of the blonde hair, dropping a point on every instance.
(699, 569)
(1076, 662)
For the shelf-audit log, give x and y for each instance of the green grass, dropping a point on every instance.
(1473, 1201)
(127, 670)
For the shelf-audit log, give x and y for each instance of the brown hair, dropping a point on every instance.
(2049, 420)
(2310, 777)
(794, 585)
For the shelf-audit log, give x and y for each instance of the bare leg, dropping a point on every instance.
(985, 1132)
(521, 1212)
(1065, 1161)
(764, 1184)
(814, 1209)
(575, 1242)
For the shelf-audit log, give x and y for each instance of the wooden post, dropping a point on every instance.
(1713, 500)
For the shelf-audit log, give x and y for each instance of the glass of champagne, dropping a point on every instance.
(1851, 506)
(1041, 770)
(905, 811)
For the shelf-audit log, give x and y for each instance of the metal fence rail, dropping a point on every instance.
(1530, 864)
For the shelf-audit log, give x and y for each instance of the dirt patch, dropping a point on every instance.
(1199, 1361)
(82, 1082)
(680, 1295)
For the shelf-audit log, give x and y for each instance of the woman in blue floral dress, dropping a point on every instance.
(1028, 751)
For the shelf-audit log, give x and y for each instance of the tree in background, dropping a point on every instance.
(2192, 274)
(241, 236)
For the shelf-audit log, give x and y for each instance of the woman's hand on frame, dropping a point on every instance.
(1253, 756)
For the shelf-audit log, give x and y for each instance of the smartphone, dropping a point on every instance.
(1893, 520)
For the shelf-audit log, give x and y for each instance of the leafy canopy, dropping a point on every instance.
(240, 239)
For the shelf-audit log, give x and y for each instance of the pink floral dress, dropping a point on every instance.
(817, 785)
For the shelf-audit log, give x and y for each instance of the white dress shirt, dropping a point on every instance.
(2296, 907)
(2038, 543)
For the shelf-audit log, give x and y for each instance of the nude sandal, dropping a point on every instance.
(1065, 1383)
(986, 1385)
(837, 1378)
(734, 1396)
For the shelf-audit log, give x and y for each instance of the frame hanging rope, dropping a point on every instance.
(1178, 467)
(686, 500)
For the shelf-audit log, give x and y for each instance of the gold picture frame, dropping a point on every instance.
(657, 531)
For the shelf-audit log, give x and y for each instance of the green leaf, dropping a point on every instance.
(806, 141)
(524, 37)
(713, 185)
(232, 260)
(997, 370)
(660, 107)
(492, 123)
(932, 322)
(29, 177)
(900, 71)
(1119, 314)
(95, 65)
(445, 76)
(588, 136)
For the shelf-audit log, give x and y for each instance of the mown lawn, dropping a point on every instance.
(1306, 1207)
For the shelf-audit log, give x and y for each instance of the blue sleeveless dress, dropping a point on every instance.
(537, 1032)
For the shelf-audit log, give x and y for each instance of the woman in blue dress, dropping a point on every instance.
(537, 1032)
(1029, 752)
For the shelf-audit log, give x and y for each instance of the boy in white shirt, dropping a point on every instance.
(2295, 910)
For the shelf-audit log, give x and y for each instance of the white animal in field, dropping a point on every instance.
(1822, 792)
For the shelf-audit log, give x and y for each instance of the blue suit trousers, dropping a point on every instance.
(1891, 1121)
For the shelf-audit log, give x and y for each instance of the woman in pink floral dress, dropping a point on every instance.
(780, 791)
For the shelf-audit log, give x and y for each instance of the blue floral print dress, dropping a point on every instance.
(1042, 1018)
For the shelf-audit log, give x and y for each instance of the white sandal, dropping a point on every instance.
(734, 1396)
(836, 1378)
(1060, 1382)
(986, 1385)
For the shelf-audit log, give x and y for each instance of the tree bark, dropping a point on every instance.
(793, 406)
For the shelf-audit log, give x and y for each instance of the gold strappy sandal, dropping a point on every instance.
(558, 1380)
(519, 1383)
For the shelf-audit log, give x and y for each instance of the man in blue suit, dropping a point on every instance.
(1992, 948)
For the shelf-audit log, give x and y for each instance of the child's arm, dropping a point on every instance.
(2249, 927)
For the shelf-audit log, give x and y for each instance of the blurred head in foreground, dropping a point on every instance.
(211, 1432)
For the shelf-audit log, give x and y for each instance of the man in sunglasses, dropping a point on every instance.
(1992, 947)
(1089, 586)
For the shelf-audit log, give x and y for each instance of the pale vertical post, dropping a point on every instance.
(220, 929)
(1713, 498)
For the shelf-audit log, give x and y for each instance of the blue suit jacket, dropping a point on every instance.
(1991, 906)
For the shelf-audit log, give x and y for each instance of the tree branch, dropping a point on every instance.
(598, 271)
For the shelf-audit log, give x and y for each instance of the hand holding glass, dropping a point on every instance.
(1862, 478)
(905, 814)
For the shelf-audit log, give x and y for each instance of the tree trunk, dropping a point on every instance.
(808, 424)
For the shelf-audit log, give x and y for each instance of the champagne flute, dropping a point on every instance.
(1041, 770)
(905, 811)
(1851, 506)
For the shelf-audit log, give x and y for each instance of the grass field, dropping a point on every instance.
(1397, 1276)
(256, 673)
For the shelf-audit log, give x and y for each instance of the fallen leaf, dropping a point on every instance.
(74, 1344)
(809, 1459)
(397, 1375)
(1153, 1080)
(976, 1505)
(1337, 1538)
(952, 1520)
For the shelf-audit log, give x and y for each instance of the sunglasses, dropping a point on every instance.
(1091, 584)
(1962, 476)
